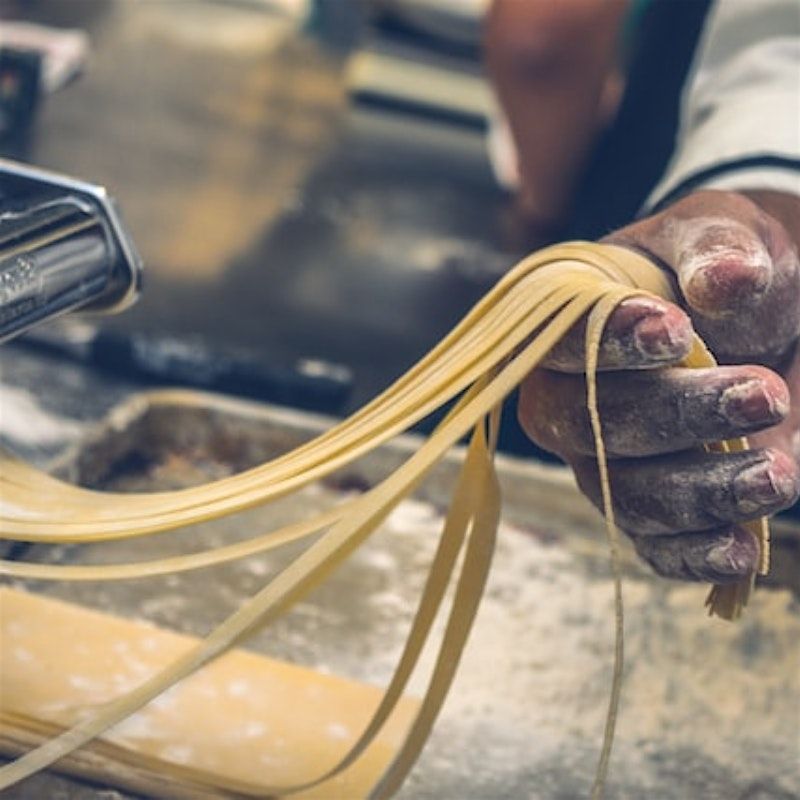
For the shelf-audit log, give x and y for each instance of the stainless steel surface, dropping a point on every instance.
(62, 247)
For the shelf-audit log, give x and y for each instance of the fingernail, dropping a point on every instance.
(762, 486)
(749, 403)
(732, 557)
(716, 556)
(665, 334)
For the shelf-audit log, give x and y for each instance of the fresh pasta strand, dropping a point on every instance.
(477, 365)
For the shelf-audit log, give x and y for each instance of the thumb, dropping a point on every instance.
(736, 268)
(723, 267)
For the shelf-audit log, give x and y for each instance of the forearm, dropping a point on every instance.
(549, 63)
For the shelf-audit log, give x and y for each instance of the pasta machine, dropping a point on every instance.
(63, 247)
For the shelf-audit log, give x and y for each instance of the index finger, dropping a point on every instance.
(642, 333)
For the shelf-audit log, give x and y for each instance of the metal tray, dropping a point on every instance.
(710, 709)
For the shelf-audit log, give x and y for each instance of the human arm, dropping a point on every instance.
(554, 66)
(734, 258)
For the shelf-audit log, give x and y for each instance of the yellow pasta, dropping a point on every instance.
(477, 365)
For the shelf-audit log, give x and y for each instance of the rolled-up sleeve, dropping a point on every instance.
(740, 118)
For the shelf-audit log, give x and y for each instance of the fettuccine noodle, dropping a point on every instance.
(477, 365)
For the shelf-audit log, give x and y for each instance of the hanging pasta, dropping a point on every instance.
(476, 366)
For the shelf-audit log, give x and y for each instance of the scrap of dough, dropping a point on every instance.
(244, 716)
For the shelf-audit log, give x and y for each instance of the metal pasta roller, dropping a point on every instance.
(63, 247)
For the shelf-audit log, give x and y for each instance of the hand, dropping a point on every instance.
(738, 276)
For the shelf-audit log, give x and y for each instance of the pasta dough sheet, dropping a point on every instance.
(245, 715)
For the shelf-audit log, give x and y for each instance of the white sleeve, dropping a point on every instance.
(740, 115)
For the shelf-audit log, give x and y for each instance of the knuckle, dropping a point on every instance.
(552, 411)
(536, 421)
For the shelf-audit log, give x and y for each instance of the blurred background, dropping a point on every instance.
(319, 189)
